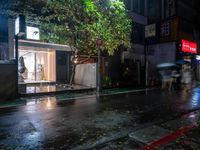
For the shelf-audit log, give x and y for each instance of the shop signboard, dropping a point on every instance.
(188, 46)
(150, 30)
(32, 33)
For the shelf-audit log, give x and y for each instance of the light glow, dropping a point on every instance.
(198, 57)
(187, 46)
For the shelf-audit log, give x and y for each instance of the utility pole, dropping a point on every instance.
(150, 32)
(146, 62)
(98, 80)
(16, 60)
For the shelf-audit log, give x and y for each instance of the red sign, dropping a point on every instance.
(187, 46)
(99, 42)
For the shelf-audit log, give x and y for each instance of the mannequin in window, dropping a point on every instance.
(21, 68)
(40, 72)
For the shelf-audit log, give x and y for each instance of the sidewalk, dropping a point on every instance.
(175, 134)
(178, 134)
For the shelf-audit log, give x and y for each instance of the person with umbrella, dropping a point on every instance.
(165, 70)
(186, 77)
(186, 74)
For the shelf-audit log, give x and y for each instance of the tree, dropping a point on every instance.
(79, 23)
(29, 8)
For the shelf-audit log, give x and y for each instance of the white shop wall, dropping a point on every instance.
(85, 74)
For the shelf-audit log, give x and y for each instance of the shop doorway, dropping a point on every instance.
(63, 66)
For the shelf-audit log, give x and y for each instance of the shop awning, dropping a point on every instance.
(59, 47)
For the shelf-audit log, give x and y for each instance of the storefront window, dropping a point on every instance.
(153, 10)
(136, 6)
(128, 4)
(142, 7)
(182, 8)
(39, 64)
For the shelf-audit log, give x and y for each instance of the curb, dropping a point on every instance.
(18, 102)
(168, 138)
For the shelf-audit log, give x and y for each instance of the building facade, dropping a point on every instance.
(176, 25)
(8, 67)
(43, 62)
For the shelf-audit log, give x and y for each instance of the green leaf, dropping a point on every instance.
(79, 22)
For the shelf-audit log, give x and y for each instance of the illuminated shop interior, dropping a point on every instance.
(40, 64)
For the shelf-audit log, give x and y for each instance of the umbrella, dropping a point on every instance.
(182, 62)
(166, 65)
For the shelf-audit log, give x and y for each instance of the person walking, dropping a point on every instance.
(167, 78)
(186, 78)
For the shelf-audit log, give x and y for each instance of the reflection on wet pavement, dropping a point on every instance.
(195, 100)
(48, 122)
(43, 88)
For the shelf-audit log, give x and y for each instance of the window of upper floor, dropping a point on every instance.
(153, 10)
(137, 6)
(137, 33)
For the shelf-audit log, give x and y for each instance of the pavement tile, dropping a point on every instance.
(185, 120)
(189, 141)
(194, 135)
(149, 134)
(122, 144)
(175, 124)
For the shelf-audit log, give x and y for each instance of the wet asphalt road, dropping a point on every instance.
(74, 124)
